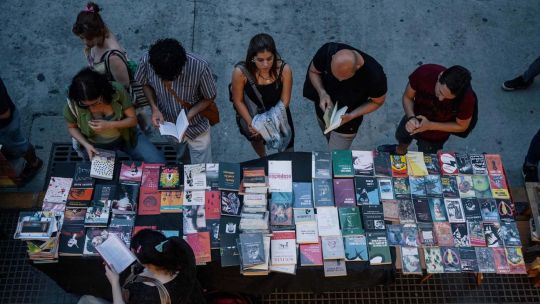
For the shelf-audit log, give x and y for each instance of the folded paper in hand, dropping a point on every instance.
(332, 117)
(177, 130)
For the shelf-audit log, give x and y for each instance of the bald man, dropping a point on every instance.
(340, 73)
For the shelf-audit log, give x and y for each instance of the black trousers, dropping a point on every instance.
(403, 137)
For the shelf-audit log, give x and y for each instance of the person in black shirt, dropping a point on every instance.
(14, 144)
(341, 74)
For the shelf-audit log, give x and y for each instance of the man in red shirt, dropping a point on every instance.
(437, 102)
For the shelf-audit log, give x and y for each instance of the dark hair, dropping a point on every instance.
(89, 85)
(260, 43)
(89, 23)
(167, 57)
(176, 253)
(457, 79)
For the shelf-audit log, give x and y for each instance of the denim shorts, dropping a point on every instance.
(14, 144)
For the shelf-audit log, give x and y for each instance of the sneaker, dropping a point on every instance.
(392, 149)
(29, 172)
(530, 173)
(517, 83)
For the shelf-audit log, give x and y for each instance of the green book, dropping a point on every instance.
(351, 222)
(229, 176)
(378, 250)
(342, 163)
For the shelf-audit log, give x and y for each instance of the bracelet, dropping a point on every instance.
(410, 117)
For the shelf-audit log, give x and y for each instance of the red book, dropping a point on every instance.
(494, 164)
(200, 244)
(501, 263)
(150, 176)
(212, 205)
(448, 163)
(344, 192)
(149, 201)
(131, 172)
(80, 194)
(499, 187)
(443, 233)
(311, 255)
(399, 165)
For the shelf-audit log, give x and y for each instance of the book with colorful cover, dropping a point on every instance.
(448, 163)
(344, 192)
(127, 196)
(481, 186)
(80, 197)
(98, 215)
(464, 163)
(382, 163)
(494, 164)
(378, 250)
(460, 234)
(449, 187)
(254, 177)
(488, 209)
(401, 188)
(399, 165)
(454, 210)
(195, 177)
(501, 263)
(492, 233)
(373, 217)
(422, 211)
(311, 254)
(386, 189)
(150, 176)
(149, 201)
(451, 259)
(443, 233)
(281, 211)
(506, 209)
(367, 190)
(426, 234)
(478, 163)
(418, 186)
(510, 234)
(350, 220)
(82, 178)
(280, 176)
(231, 203)
(410, 235)
(58, 190)
(516, 263)
(432, 164)
(433, 260)
(391, 210)
(486, 262)
(131, 172)
(406, 212)
(355, 248)
(394, 235)
(171, 201)
(74, 216)
(94, 237)
(437, 209)
(332, 247)
(469, 262)
(415, 164)
(476, 233)
(342, 163)
(321, 165)
(200, 244)
(304, 215)
(229, 176)
(471, 209)
(433, 185)
(302, 195)
(212, 175)
(212, 205)
(465, 186)
(103, 164)
(410, 260)
(363, 163)
(323, 192)
(499, 188)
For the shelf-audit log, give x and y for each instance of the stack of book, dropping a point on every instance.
(254, 215)
(40, 230)
(254, 252)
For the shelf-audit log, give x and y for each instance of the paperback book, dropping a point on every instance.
(131, 172)
(432, 164)
(283, 248)
(492, 233)
(335, 268)
(465, 186)
(127, 196)
(323, 193)
(406, 212)
(281, 213)
(401, 188)
(433, 185)
(149, 201)
(499, 188)
(454, 210)
(516, 263)
(381, 161)
(280, 176)
(150, 176)
(231, 203)
(349, 218)
(478, 163)
(195, 177)
(448, 163)
(229, 176)
(171, 201)
(449, 187)
(373, 217)
(481, 186)
(72, 240)
(469, 262)
(391, 210)
(327, 218)
(437, 209)
(415, 164)
(311, 255)
(476, 233)
(451, 259)
(510, 234)
(196, 197)
(82, 178)
(426, 234)
(378, 250)
(332, 247)
(58, 190)
(355, 248)
(443, 233)
(344, 192)
(433, 260)
(342, 163)
(460, 234)
(486, 262)
(488, 210)
(410, 260)
(367, 190)
(494, 164)
(363, 163)
(506, 209)
(302, 195)
(254, 177)
(464, 163)
(212, 175)
(385, 188)
(321, 165)
(422, 211)
(103, 164)
(471, 208)
(193, 219)
(399, 165)
(418, 186)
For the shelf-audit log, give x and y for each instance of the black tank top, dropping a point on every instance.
(271, 93)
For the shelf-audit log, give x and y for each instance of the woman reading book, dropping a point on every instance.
(258, 84)
(99, 114)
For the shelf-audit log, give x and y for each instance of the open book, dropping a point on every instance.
(115, 253)
(177, 130)
(332, 117)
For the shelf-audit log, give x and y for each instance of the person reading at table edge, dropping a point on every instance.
(169, 262)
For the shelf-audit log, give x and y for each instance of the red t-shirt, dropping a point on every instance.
(426, 103)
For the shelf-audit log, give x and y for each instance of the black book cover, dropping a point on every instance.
(469, 263)
(471, 208)
(82, 178)
(449, 187)
(366, 190)
(421, 209)
(464, 163)
(373, 217)
(229, 229)
(102, 194)
(72, 238)
(382, 163)
(432, 164)
(127, 196)
(401, 188)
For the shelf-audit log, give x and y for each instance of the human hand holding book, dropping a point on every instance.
(176, 130)
(116, 254)
(333, 117)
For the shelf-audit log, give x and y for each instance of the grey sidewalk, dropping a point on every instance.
(494, 39)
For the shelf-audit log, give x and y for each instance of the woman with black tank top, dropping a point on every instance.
(271, 77)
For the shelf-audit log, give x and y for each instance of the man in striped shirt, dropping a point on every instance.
(171, 77)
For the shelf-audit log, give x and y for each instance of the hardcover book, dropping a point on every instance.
(280, 176)
(212, 205)
(72, 240)
(391, 210)
(426, 234)
(437, 209)
(465, 186)
(342, 163)
(381, 161)
(302, 195)
(212, 175)
(422, 211)
(332, 247)
(367, 190)
(469, 262)
(283, 248)
(82, 178)
(432, 164)
(171, 201)
(443, 233)
(454, 210)
(418, 186)
(399, 165)
(103, 164)
(378, 250)
(229, 176)
(127, 196)
(506, 209)
(460, 234)
(486, 262)
(501, 263)
(478, 163)
(321, 165)
(471, 208)
(481, 186)
(311, 255)
(349, 218)
(406, 212)
(344, 192)
(231, 203)
(449, 187)
(494, 164)
(448, 163)
(195, 197)
(323, 192)
(488, 210)
(476, 233)
(516, 263)
(410, 260)
(451, 259)
(281, 209)
(149, 201)
(58, 190)
(254, 177)
(335, 268)
(195, 177)
(373, 217)
(415, 164)
(327, 218)
(401, 188)
(355, 248)
(492, 233)
(385, 188)
(131, 172)
(499, 188)
(433, 260)
(464, 163)
(150, 176)
(363, 163)
(510, 234)
(433, 185)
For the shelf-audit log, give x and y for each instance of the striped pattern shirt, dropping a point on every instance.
(194, 84)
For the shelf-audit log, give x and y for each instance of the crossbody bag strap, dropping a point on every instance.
(168, 87)
(162, 290)
(106, 57)
(251, 81)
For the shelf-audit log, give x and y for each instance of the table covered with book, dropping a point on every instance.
(212, 220)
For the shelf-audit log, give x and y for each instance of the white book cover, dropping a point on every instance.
(280, 175)
(255, 199)
(307, 233)
(103, 164)
(363, 162)
(332, 117)
(288, 269)
(58, 190)
(194, 198)
(335, 268)
(332, 247)
(328, 221)
(283, 248)
(176, 130)
(115, 253)
(195, 177)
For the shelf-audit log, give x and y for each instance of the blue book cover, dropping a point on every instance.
(355, 248)
(323, 192)
(302, 195)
